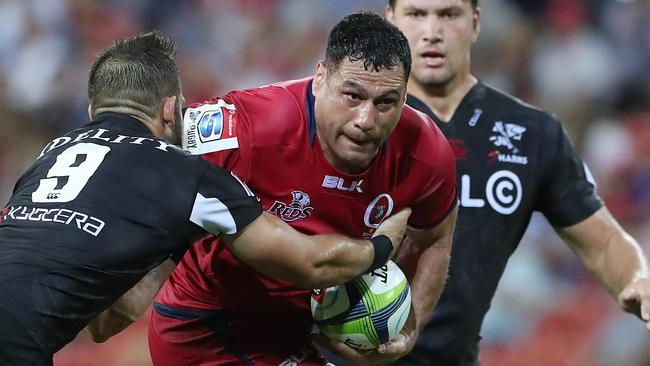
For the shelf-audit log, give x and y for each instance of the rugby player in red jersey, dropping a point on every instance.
(334, 153)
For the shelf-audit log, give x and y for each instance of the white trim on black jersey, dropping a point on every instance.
(212, 215)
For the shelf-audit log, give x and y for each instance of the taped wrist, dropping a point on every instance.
(383, 247)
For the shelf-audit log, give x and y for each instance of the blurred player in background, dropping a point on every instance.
(336, 152)
(108, 202)
(512, 159)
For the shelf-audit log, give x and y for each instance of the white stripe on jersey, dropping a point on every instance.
(248, 190)
(212, 215)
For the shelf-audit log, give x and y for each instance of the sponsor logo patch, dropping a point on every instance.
(210, 127)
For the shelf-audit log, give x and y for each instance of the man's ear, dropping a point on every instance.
(169, 111)
(389, 13)
(476, 23)
(90, 112)
(319, 77)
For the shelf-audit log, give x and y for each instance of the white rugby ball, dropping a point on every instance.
(365, 312)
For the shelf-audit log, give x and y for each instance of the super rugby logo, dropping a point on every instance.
(211, 126)
(378, 210)
(298, 209)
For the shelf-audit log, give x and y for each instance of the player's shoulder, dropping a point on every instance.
(267, 114)
(508, 104)
(419, 136)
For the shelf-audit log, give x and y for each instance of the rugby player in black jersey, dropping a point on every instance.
(109, 202)
(512, 159)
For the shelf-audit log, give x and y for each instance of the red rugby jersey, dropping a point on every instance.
(267, 137)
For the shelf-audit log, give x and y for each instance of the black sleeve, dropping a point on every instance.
(569, 193)
(223, 203)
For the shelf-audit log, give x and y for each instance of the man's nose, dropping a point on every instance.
(432, 29)
(366, 117)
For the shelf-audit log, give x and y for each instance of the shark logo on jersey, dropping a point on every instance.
(506, 134)
(298, 209)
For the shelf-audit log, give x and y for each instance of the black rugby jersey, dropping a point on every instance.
(511, 159)
(98, 209)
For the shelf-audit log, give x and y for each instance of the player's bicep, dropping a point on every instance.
(569, 191)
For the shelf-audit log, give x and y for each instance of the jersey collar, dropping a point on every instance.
(120, 121)
(311, 119)
(475, 92)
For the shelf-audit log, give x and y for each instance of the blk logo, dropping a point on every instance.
(331, 181)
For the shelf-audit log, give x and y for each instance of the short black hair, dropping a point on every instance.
(474, 3)
(137, 72)
(370, 38)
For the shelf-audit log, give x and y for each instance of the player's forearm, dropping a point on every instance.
(336, 259)
(621, 262)
(128, 308)
(317, 261)
(276, 250)
(607, 251)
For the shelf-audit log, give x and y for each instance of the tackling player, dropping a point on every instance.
(106, 203)
(512, 159)
(336, 152)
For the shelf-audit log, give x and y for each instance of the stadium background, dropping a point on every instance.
(588, 61)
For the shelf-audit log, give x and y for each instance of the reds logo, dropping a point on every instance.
(298, 209)
(380, 208)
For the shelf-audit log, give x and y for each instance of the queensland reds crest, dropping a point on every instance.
(378, 210)
(298, 209)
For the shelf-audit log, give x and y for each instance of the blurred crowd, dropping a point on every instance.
(587, 61)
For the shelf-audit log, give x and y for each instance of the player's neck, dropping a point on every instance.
(443, 100)
(155, 125)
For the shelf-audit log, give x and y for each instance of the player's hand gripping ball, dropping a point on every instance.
(365, 312)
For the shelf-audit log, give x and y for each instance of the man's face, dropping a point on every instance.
(356, 109)
(440, 33)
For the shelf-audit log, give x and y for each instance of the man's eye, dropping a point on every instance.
(415, 14)
(385, 101)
